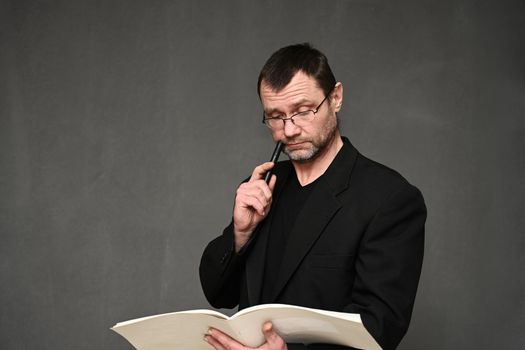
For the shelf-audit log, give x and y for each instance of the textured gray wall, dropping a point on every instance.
(125, 127)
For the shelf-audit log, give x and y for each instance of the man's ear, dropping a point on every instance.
(337, 97)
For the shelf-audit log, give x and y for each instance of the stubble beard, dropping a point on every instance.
(303, 155)
(315, 147)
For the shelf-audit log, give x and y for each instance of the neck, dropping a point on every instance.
(309, 171)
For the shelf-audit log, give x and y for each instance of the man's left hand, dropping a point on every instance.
(222, 341)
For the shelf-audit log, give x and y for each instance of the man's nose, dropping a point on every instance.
(290, 129)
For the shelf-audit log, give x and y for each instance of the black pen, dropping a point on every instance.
(275, 157)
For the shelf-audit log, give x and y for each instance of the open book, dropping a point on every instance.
(185, 330)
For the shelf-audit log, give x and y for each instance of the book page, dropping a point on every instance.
(198, 311)
(178, 330)
(185, 330)
(302, 325)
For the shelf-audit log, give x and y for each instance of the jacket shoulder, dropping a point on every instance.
(378, 182)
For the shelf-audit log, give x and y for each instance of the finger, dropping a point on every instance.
(266, 190)
(257, 188)
(259, 171)
(252, 202)
(273, 339)
(214, 343)
(272, 183)
(260, 189)
(224, 340)
(255, 192)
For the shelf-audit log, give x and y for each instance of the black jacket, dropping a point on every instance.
(357, 246)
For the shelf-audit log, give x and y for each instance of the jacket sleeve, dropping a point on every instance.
(388, 267)
(220, 271)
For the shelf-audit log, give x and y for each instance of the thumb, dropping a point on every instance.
(272, 338)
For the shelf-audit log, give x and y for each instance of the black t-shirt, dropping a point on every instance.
(286, 210)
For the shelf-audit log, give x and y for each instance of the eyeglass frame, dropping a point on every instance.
(295, 114)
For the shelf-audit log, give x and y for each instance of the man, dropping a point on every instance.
(331, 230)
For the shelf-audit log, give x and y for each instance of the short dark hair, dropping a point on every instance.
(283, 64)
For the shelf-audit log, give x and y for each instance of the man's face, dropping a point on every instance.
(304, 143)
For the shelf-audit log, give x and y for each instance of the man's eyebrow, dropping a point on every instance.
(270, 111)
(296, 104)
(302, 102)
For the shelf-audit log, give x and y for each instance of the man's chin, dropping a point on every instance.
(301, 155)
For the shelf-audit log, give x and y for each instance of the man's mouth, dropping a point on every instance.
(295, 144)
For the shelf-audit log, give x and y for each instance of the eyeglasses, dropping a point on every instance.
(300, 118)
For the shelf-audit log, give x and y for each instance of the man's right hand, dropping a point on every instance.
(252, 204)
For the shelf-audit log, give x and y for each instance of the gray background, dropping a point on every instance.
(125, 127)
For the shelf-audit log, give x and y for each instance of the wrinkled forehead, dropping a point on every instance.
(278, 86)
(302, 88)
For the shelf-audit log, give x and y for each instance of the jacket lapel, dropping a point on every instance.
(308, 227)
(320, 207)
(317, 212)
